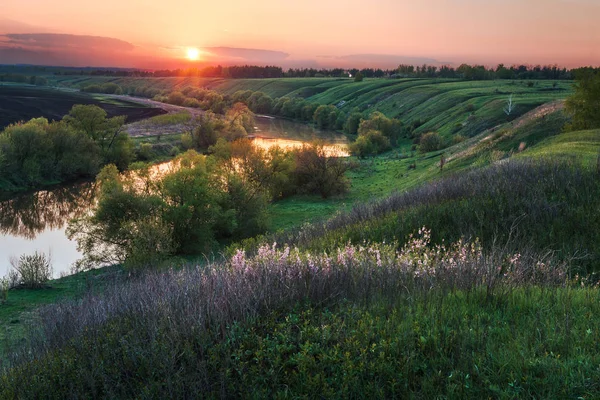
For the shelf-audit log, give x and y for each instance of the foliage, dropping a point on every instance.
(370, 143)
(315, 324)
(108, 88)
(352, 123)
(38, 152)
(431, 141)
(325, 117)
(4, 288)
(33, 271)
(141, 219)
(316, 172)
(114, 143)
(390, 127)
(145, 152)
(584, 104)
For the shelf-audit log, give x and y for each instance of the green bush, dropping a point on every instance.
(369, 144)
(430, 141)
(145, 152)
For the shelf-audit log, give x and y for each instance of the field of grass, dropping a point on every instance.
(16, 312)
(443, 105)
(361, 310)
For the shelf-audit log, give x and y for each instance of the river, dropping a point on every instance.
(38, 221)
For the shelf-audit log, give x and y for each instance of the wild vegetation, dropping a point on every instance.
(430, 291)
(41, 152)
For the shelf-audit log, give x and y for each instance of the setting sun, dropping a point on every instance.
(193, 54)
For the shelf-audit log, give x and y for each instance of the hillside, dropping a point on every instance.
(420, 282)
(447, 106)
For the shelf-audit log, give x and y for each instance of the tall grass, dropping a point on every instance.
(539, 203)
(137, 333)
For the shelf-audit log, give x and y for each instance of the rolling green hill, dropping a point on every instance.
(443, 105)
(366, 303)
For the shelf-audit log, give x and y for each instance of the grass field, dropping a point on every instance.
(446, 106)
(518, 183)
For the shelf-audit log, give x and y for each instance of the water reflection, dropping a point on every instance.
(283, 129)
(270, 132)
(340, 150)
(28, 215)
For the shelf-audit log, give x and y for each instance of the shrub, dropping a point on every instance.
(318, 173)
(369, 144)
(430, 141)
(191, 102)
(458, 139)
(4, 287)
(145, 152)
(32, 270)
(187, 141)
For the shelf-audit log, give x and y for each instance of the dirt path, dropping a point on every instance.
(144, 128)
(169, 108)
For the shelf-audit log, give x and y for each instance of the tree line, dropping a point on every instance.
(464, 71)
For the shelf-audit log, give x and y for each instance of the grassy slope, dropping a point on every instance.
(387, 173)
(21, 302)
(447, 106)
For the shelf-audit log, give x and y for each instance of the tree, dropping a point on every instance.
(584, 104)
(240, 115)
(93, 121)
(316, 172)
(358, 77)
(352, 122)
(370, 143)
(430, 141)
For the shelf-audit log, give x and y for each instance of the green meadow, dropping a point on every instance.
(475, 278)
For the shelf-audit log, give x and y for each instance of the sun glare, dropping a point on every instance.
(193, 54)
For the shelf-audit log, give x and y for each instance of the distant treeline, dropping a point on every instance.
(464, 71)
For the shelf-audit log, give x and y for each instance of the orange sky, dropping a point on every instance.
(310, 32)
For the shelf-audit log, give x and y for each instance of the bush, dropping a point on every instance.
(32, 270)
(430, 141)
(4, 287)
(369, 144)
(318, 173)
(145, 152)
(187, 141)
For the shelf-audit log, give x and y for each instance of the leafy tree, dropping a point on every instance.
(240, 115)
(318, 173)
(325, 117)
(352, 122)
(430, 141)
(584, 104)
(207, 130)
(390, 127)
(370, 143)
(93, 121)
(37, 151)
(358, 77)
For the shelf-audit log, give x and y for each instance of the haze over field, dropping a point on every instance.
(310, 33)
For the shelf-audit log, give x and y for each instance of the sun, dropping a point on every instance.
(192, 54)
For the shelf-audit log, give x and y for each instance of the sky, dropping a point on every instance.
(308, 33)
